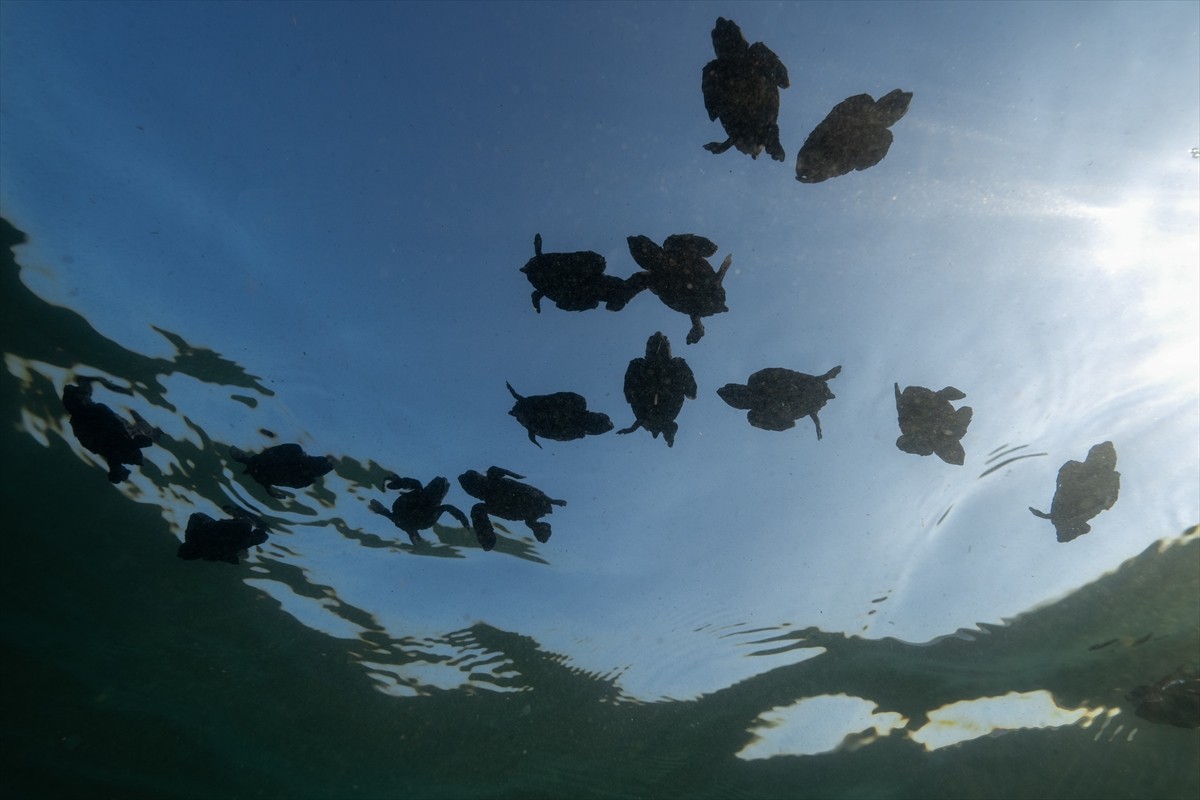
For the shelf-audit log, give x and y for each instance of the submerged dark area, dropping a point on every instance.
(144, 675)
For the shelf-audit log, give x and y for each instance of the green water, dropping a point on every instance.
(131, 673)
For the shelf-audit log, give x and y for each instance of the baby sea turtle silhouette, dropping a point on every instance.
(679, 274)
(574, 281)
(741, 87)
(282, 465)
(418, 507)
(1083, 491)
(853, 136)
(221, 539)
(1174, 700)
(655, 387)
(100, 430)
(562, 416)
(777, 397)
(501, 494)
(929, 424)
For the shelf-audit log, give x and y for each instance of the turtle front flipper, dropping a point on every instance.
(637, 423)
(380, 508)
(533, 438)
(537, 300)
(495, 473)
(719, 147)
(1037, 513)
(116, 472)
(950, 393)
(767, 421)
(396, 482)
(459, 516)
(697, 331)
(484, 532)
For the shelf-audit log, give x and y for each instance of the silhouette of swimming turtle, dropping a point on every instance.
(679, 275)
(1173, 700)
(929, 424)
(501, 494)
(777, 397)
(656, 386)
(418, 507)
(282, 465)
(853, 136)
(562, 416)
(100, 430)
(1083, 490)
(221, 539)
(741, 88)
(574, 281)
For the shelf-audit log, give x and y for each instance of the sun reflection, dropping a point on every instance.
(970, 719)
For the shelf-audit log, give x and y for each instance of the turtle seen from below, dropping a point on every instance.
(562, 416)
(282, 465)
(655, 387)
(501, 494)
(418, 507)
(741, 88)
(776, 397)
(679, 274)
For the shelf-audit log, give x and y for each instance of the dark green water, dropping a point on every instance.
(131, 673)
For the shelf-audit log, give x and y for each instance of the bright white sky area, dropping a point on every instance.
(339, 197)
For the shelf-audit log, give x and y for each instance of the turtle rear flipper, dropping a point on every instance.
(484, 532)
(541, 530)
(637, 423)
(117, 472)
(697, 331)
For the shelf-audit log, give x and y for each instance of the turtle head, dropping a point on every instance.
(658, 346)
(727, 39)
(473, 483)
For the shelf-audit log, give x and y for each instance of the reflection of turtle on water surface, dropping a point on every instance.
(777, 397)
(1173, 700)
(679, 274)
(282, 465)
(562, 416)
(501, 494)
(574, 281)
(221, 539)
(656, 386)
(929, 424)
(741, 87)
(100, 430)
(418, 507)
(1083, 491)
(853, 136)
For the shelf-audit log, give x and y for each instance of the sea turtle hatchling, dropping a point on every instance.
(1083, 490)
(562, 416)
(854, 136)
(221, 539)
(1173, 700)
(282, 465)
(741, 88)
(679, 274)
(418, 507)
(929, 424)
(501, 494)
(656, 386)
(574, 281)
(777, 397)
(100, 430)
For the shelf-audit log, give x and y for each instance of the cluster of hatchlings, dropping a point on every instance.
(741, 89)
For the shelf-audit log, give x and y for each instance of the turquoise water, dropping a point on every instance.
(132, 673)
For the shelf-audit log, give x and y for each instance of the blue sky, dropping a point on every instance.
(339, 197)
